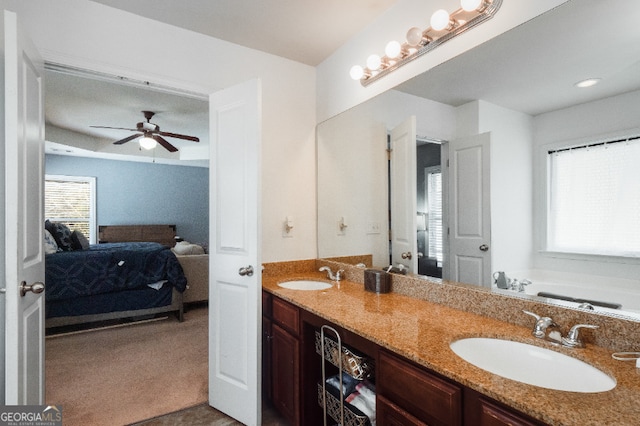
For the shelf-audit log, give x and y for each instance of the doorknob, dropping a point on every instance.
(36, 287)
(406, 255)
(484, 247)
(248, 270)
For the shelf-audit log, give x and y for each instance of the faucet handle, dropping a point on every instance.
(536, 316)
(541, 325)
(339, 274)
(572, 340)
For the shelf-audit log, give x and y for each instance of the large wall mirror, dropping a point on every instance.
(461, 152)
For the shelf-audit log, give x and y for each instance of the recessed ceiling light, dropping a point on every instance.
(588, 82)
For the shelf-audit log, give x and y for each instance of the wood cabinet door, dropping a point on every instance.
(285, 370)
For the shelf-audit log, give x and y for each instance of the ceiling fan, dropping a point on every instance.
(150, 131)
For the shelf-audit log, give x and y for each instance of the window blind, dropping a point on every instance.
(594, 199)
(434, 204)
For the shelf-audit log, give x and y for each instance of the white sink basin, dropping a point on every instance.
(532, 365)
(305, 285)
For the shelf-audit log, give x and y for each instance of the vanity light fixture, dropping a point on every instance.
(444, 27)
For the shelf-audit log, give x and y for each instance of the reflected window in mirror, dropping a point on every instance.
(594, 198)
(434, 213)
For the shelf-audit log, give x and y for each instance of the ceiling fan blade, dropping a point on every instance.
(127, 139)
(178, 136)
(115, 128)
(164, 143)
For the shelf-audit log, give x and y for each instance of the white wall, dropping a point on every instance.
(511, 185)
(91, 36)
(352, 170)
(511, 179)
(610, 117)
(337, 91)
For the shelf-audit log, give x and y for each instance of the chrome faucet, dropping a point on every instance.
(541, 325)
(518, 285)
(336, 277)
(572, 340)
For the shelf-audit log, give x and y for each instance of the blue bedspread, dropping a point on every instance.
(108, 268)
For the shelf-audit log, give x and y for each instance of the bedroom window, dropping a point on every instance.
(71, 200)
(594, 198)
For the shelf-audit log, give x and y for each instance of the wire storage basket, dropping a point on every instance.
(352, 416)
(356, 365)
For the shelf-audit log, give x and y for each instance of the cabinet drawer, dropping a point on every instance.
(424, 395)
(390, 414)
(286, 315)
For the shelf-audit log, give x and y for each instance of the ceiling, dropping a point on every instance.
(306, 31)
(574, 41)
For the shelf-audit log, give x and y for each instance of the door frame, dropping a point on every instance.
(167, 84)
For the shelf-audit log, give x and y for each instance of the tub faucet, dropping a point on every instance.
(541, 325)
(336, 277)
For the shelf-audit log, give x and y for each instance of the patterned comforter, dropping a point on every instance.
(109, 268)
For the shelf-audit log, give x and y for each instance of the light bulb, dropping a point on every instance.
(148, 143)
(393, 49)
(414, 36)
(470, 5)
(374, 62)
(356, 72)
(440, 20)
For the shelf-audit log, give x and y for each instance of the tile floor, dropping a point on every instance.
(204, 415)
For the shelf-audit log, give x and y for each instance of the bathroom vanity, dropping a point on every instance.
(418, 378)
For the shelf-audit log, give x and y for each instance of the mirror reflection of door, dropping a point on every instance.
(404, 250)
(469, 211)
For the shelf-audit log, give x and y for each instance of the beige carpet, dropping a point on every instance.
(123, 375)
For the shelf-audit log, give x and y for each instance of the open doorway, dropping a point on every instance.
(430, 208)
(134, 186)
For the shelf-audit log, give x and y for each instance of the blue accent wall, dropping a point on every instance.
(134, 193)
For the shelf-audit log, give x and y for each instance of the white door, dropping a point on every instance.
(24, 217)
(404, 238)
(470, 210)
(235, 264)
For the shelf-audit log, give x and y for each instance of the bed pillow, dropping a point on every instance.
(79, 241)
(50, 245)
(186, 248)
(62, 234)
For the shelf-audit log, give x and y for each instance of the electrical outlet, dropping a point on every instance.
(373, 228)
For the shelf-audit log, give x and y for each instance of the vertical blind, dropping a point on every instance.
(434, 200)
(594, 199)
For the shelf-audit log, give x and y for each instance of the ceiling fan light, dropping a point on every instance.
(147, 142)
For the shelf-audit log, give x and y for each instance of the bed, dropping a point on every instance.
(114, 280)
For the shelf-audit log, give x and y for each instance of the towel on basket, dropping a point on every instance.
(364, 399)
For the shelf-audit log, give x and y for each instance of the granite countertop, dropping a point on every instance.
(422, 331)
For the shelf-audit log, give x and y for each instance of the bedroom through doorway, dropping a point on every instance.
(135, 186)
